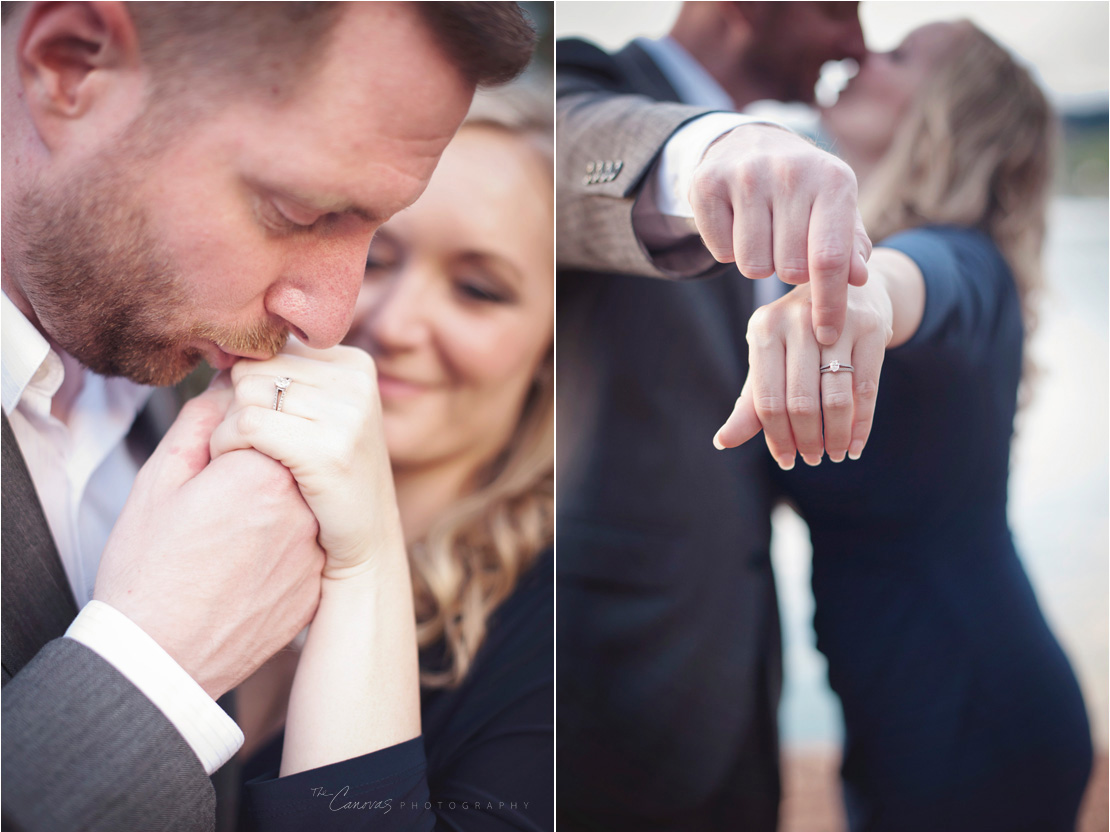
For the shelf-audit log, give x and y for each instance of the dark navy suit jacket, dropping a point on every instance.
(668, 643)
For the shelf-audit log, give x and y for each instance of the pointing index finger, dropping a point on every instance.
(831, 242)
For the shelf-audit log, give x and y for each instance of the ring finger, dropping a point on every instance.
(836, 399)
(261, 390)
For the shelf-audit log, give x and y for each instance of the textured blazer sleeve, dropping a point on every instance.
(84, 749)
(601, 118)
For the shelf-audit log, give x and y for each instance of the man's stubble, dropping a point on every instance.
(104, 287)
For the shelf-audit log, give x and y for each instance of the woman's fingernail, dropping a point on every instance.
(717, 441)
(826, 335)
(786, 463)
(855, 451)
(834, 459)
(812, 462)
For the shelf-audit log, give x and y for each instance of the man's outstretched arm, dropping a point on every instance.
(758, 195)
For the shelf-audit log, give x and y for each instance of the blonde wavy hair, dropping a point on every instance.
(975, 149)
(474, 554)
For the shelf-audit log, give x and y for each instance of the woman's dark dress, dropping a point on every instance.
(960, 708)
(484, 762)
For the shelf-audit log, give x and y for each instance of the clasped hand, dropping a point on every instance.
(799, 408)
(329, 435)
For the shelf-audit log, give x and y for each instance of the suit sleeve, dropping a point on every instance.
(600, 119)
(85, 749)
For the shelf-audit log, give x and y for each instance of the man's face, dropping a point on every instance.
(794, 40)
(251, 224)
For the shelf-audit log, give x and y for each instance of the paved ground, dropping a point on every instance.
(811, 796)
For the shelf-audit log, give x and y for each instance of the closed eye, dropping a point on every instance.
(482, 294)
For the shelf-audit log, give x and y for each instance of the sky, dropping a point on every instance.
(1067, 41)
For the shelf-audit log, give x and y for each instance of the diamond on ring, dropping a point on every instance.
(281, 384)
(835, 366)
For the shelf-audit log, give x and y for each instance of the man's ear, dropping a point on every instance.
(78, 62)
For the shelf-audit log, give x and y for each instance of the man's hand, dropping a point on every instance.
(772, 202)
(218, 562)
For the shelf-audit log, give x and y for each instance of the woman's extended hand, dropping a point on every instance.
(329, 435)
(799, 408)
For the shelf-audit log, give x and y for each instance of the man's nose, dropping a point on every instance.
(316, 295)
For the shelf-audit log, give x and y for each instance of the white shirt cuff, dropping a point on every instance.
(681, 155)
(210, 732)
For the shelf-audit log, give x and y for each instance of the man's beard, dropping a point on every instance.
(106, 290)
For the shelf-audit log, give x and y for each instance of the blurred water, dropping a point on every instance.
(1059, 487)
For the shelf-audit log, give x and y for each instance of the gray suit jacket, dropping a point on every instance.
(669, 668)
(82, 748)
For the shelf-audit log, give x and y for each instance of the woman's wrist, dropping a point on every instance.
(385, 560)
(877, 290)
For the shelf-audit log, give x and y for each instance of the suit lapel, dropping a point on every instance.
(38, 604)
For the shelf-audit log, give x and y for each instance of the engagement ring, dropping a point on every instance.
(836, 367)
(281, 384)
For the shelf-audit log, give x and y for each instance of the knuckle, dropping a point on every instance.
(249, 388)
(828, 258)
(770, 406)
(703, 184)
(839, 175)
(867, 390)
(248, 421)
(837, 401)
(790, 172)
(760, 337)
(761, 320)
(749, 179)
(799, 314)
(803, 406)
(792, 270)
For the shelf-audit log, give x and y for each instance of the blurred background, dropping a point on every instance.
(1060, 485)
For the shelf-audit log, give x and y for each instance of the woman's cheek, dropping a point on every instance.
(489, 353)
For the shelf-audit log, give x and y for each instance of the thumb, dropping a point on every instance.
(183, 451)
(741, 425)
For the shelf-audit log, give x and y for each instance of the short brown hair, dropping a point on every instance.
(491, 43)
(269, 43)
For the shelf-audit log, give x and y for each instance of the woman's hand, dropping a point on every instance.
(329, 435)
(799, 408)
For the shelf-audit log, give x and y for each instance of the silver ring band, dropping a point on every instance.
(837, 367)
(281, 384)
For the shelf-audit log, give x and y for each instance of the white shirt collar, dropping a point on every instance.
(33, 372)
(689, 78)
(26, 359)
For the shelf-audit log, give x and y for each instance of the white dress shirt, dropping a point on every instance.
(664, 214)
(82, 474)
